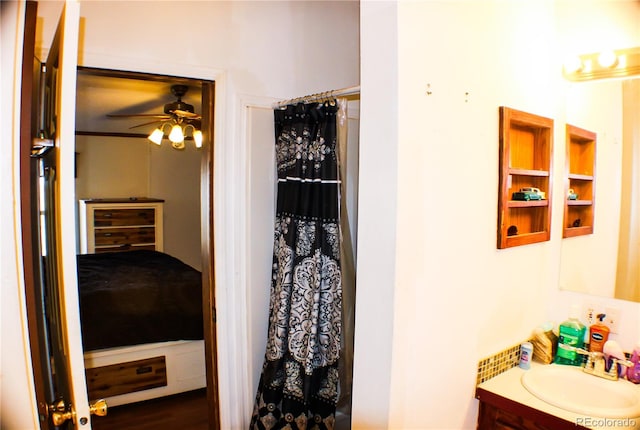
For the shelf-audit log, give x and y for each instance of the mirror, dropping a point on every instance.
(606, 263)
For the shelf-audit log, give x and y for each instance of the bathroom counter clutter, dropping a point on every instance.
(506, 403)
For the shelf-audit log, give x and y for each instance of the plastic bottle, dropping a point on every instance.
(570, 334)
(526, 352)
(598, 335)
(633, 372)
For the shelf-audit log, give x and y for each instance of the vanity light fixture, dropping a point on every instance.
(177, 134)
(617, 63)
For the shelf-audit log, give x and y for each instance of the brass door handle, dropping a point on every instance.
(60, 414)
(99, 408)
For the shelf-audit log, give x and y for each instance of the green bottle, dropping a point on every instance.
(570, 333)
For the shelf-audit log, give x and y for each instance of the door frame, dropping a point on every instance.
(206, 211)
(224, 164)
(224, 189)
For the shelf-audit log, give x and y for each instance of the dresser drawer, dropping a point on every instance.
(123, 217)
(114, 225)
(128, 377)
(124, 236)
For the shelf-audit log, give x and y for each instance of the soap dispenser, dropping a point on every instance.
(598, 334)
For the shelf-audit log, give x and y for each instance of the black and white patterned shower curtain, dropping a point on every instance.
(298, 388)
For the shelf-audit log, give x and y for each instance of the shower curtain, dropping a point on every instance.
(300, 382)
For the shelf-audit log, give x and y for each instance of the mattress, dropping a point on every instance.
(137, 297)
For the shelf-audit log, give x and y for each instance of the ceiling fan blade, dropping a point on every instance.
(186, 114)
(140, 115)
(146, 123)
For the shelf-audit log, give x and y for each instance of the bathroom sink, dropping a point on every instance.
(569, 388)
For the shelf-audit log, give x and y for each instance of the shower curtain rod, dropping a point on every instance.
(320, 96)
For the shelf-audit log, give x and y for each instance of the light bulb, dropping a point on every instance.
(156, 136)
(607, 59)
(176, 135)
(197, 138)
(572, 64)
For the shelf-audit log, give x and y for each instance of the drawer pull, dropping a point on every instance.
(107, 215)
(108, 234)
(144, 369)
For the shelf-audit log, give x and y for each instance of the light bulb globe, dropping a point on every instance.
(176, 135)
(156, 136)
(197, 138)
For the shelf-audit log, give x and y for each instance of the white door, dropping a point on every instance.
(63, 316)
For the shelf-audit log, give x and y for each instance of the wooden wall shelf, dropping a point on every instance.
(526, 145)
(580, 177)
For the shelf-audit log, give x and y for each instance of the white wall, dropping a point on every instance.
(261, 180)
(376, 262)
(458, 298)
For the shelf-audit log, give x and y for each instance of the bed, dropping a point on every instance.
(142, 325)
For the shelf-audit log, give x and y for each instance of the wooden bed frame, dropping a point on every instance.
(142, 372)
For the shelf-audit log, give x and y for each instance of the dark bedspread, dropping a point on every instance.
(136, 297)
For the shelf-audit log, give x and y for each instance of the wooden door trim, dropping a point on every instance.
(208, 268)
(27, 204)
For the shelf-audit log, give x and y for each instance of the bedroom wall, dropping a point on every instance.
(112, 167)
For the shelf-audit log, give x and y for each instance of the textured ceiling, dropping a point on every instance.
(98, 96)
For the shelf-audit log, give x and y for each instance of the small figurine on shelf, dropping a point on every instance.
(528, 193)
(571, 195)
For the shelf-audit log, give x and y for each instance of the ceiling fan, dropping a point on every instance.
(178, 114)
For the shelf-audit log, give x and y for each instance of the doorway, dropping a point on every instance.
(115, 160)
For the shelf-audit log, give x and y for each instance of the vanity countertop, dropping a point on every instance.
(507, 387)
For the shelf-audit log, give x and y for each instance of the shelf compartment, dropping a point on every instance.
(578, 220)
(526, 144)
(580, 170)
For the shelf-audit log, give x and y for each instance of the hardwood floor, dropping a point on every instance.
(185, 411)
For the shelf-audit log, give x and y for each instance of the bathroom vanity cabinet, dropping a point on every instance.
(500, 413)
(580, 179)
(526, 146)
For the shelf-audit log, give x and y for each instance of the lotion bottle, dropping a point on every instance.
(598, 334)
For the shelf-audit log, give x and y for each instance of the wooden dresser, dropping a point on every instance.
(120, 224)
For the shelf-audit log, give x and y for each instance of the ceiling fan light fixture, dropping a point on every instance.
(176, 135)
(178, 145)
(156, 136)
